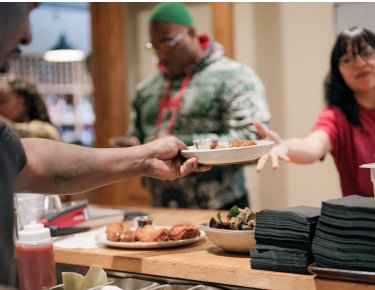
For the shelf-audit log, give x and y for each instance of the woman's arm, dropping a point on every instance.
(55, 167)
(302, 151)
(310, 149)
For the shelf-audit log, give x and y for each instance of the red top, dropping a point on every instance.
(352, 146)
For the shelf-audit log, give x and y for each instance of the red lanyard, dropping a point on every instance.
(167, 103)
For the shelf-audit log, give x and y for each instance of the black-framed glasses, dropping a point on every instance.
(167, 44)
(367, 53)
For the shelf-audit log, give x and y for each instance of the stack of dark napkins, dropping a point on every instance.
(345, 236)
(283, 239)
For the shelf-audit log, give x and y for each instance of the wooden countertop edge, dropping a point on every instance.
(235, 276)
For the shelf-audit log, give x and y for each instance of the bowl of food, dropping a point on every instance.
(235, 233)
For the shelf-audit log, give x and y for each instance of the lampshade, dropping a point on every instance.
(63, 52)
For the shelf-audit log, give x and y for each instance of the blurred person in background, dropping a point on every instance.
(198, 93)
(346, 127)
(47, 166)
(23, 109)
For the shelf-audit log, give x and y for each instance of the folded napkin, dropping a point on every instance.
(283, 239)
(345, 235)
(283, 260)
(95, 276)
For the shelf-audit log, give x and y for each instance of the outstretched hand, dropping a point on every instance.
(164, 161)
(278, 151)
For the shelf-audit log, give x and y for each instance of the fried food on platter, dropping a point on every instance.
(116, 232)
(150, 234)
(114, 228)
(127, 235)
(183, 232)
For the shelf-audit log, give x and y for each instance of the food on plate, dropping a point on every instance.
(219, 146)
(241, 143)
(150, 234)
(236, 143)
(183, 232)
(117, 232)
(237, 219)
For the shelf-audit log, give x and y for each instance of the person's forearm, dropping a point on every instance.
(304, 151)
(53, 167)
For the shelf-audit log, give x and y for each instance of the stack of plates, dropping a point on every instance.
(345, 235)
(283, 239)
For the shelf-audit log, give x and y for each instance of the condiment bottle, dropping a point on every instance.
(35, 258)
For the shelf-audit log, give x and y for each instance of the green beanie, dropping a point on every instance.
(172, 12)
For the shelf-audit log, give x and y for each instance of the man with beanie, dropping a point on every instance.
(198, 93)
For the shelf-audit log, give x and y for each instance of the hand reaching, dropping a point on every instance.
(164, 161)
(278, 151)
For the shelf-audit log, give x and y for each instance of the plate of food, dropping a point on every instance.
(235, 233)
(149, 237)
(232, 152)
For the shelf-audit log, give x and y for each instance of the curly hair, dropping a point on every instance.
(35, 107)
(337, 92)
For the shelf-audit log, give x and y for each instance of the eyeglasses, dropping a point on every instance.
(367, 53)
(167, 44)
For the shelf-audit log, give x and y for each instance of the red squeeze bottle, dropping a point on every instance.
(35, 258)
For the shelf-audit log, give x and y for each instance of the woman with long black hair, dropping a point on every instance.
(346, 127)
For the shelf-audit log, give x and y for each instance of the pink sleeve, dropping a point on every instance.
(327, 123)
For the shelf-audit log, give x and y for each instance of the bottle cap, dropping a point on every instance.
(34, 233)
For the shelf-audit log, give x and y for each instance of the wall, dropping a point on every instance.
(288, 45)
(354, 14)
(292, 55)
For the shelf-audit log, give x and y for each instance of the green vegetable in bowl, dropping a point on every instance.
(219, 216)
(237, 219)
(233, 212)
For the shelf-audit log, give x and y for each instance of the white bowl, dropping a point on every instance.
(230, 240)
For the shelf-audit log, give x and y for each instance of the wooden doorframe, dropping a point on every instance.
(109, 74)
(222, 25)
(109, 70)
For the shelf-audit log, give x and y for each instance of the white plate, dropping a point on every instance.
(102, 238)
(228, 156)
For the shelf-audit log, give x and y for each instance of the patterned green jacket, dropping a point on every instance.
(221, 100)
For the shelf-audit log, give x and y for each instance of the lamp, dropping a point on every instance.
(63, 52)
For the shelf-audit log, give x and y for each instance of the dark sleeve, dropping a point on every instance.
(12, 160)
(12, 154)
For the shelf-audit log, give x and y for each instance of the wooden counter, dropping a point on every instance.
(202, 261)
